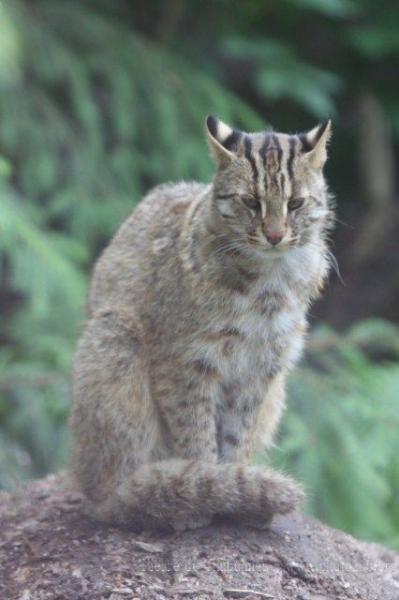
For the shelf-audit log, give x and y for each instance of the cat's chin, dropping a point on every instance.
(273, 251)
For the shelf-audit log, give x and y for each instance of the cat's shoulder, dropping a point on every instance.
(173, 194)
(161, 209)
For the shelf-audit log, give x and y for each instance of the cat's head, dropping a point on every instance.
(269, 190)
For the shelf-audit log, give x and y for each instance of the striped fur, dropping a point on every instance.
(275, 169)
(197, 311)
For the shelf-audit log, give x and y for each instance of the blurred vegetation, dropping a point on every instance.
(98, 102)
(340, 434)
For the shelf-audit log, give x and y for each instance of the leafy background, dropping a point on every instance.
(101, 100)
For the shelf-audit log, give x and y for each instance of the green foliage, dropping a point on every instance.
(279, 73)
(330, 8)
(340, 432)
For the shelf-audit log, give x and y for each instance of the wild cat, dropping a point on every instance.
(196, 313)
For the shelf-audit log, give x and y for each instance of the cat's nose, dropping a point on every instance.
(274, 237)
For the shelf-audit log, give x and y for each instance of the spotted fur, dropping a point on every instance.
(197, 311)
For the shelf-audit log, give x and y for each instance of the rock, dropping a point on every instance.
(50, 550)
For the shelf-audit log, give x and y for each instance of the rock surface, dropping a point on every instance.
(50, 550)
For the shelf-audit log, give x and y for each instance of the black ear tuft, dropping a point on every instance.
(212, 124)
(310, 139)
(320, 132)
(314, 144)
(222, 139)
(223, 133)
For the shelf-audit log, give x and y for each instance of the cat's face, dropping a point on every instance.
(269, 189)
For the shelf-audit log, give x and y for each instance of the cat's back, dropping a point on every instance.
(123, 272)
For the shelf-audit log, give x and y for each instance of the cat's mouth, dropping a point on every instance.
(265, 247)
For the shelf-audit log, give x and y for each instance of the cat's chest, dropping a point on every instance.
(256, 336)
(270, 324)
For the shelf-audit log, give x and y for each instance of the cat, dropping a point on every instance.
(196, 313)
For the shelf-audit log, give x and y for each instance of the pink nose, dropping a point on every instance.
(274, 237)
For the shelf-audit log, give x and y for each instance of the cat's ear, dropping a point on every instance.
(222, 139)
(315, 144)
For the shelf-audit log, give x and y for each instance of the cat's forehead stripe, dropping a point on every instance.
(276, 142)
(278, 153)
(265, 145)
(250, 158)
(282, 182)
(262, 153)
(290, 160)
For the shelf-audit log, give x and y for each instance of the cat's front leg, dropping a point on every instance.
(188, 412)
(187, 406)
(237, 416)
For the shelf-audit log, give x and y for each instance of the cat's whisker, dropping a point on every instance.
(343, 223)
(234, 245)
(334, 264)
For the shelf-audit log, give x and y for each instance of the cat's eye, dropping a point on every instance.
(250, 201)
(295, 203)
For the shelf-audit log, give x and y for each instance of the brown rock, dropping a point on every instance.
(50, 550)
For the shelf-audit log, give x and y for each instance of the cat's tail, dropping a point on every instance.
(182, 494)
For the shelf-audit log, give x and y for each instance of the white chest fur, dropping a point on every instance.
(270, 318)
(265, 326)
